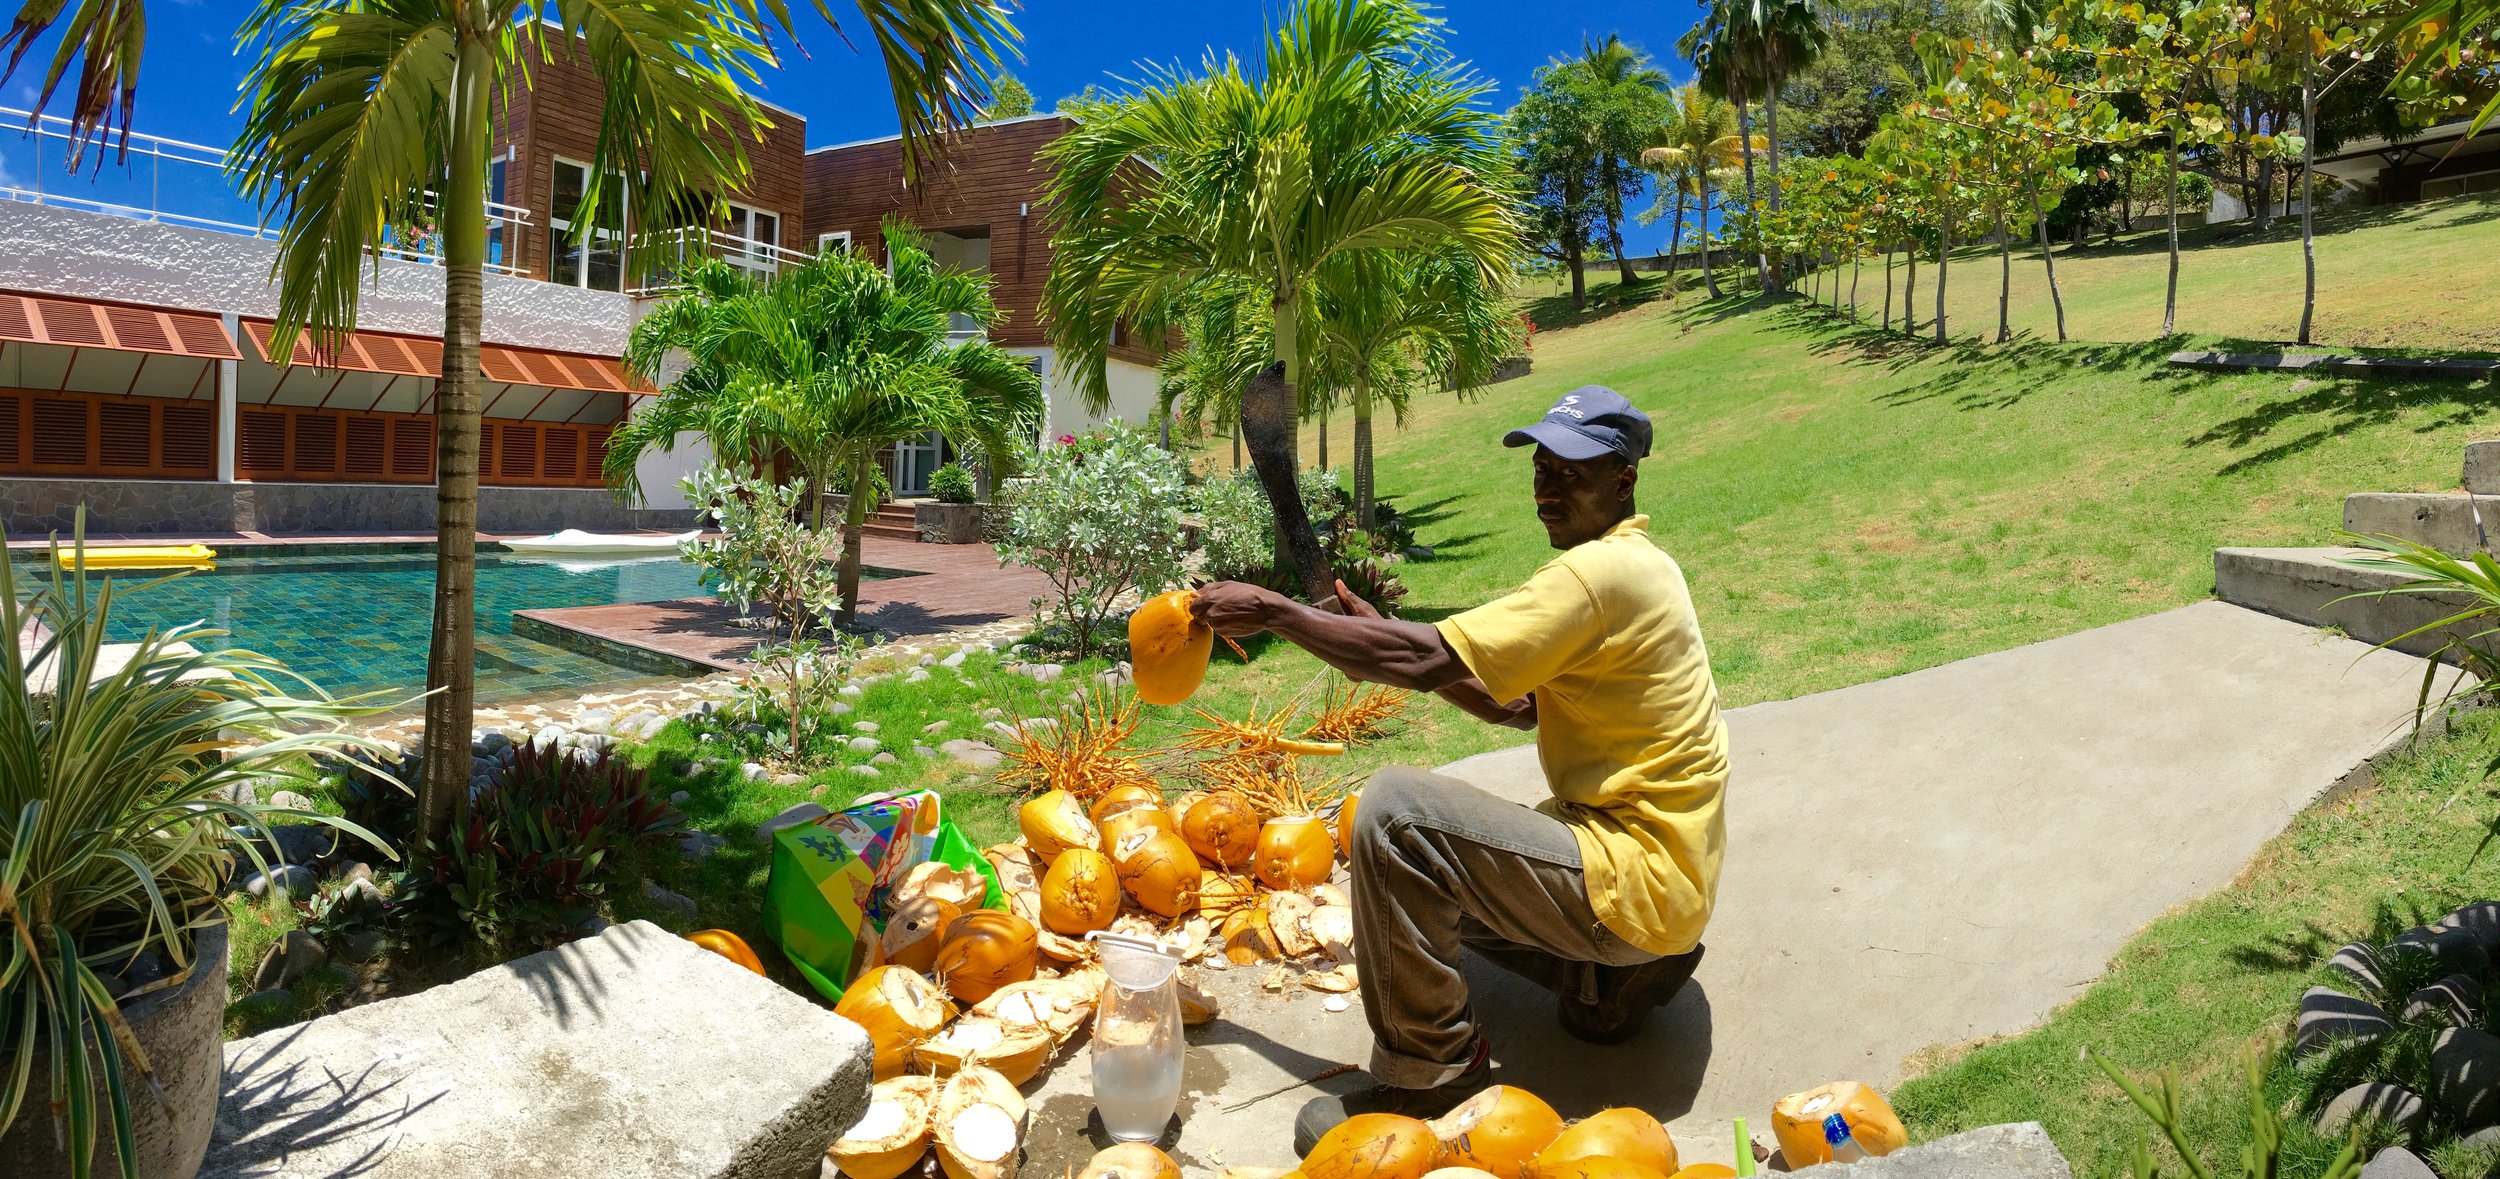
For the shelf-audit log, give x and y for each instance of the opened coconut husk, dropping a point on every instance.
(1797, 1121)
(1339, 981)
(1059, 947)
(984, 950)
(1018, 1051)
(914, 932)
(1289, 915)
(1156, 867)
(898, 1009)
(1219, 893)
(1054, 821)
(1625, 1134)
(1374, 1146)
(979, 1125)
(1197, 1005)
(1249, 938)
(1497, 1130)
(1121, 798)
(964, 888)
(1223, 829)
(1258, 1173)
(1293, 853)
(1458, 1173)
(1018, 878)
(892, 1134)
(1327, 894)
(1081, 893)
(1131, 1160)
(1060, 1005)
(1333, 927)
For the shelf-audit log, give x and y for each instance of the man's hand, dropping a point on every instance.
(1348, 604)
(1235, 608)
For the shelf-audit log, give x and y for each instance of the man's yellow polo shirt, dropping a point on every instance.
(1628, 725)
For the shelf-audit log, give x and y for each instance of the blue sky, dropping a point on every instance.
(191, 73)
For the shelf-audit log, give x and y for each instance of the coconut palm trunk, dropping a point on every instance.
(451, 650)
(854, 536)
(1363, 511)
(1675, 237)
(1753, 209)
(2048, 262)
(1709, 277)
(1268, 412)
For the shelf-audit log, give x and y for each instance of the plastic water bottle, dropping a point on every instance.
(1844, 1149)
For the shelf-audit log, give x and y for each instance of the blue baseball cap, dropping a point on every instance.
(1587, 422)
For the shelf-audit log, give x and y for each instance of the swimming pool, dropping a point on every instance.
(356, 623)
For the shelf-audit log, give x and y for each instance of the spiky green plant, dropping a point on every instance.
(2260, 1159)
(116, 827)
(2468, 649)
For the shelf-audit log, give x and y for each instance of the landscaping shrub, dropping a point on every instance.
(1235, 527)
(529, 857)
(764, 554)
(1099, 515)
(951, 484)
(790, 692)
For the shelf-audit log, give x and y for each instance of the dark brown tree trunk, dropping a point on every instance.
(2048, 262)
(2308, 195)
(2170, 294)
(1944, 269)
(1267, 416)
(1909, 295)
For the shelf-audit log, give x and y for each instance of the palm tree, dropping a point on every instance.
(1723, 67)
(1383, 325)
(1694, 145)
(1745, 49)
(1619, 70)
(367, 113)
(1790, 37)
(1356, 133)
(829, 363)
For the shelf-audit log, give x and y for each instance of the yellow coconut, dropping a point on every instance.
(1497, 1130)
(1168, 648)
(1345, 825)
(915, 930)
(1797, 1121)
(892, 1134)
(979, 1125)
(1131, 1160)
(1706, 1171)
(1374, 1146)
(898, 1009)
(1223, 829)
(1626, 1134)
(1601, 1166)
(1219, 893)
(1158, 869)
(1055, 821)
(1081, 894)
(1120, 798)
(984, 950)
(1017, 1051)
(1118, 822)
(1458, 1173)
(1249, 937)
(1294, 853)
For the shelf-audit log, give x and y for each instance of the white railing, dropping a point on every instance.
(173, 182)
(663, 257)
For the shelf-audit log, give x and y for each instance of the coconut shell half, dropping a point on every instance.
(1018, 1051)
(892, 1134)
(979, 1125)
(1131, 1160)
(898, 1009)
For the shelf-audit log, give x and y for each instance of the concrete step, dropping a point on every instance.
(631, 1055)
(2316, 586)
(2443, 521)
(903, 531)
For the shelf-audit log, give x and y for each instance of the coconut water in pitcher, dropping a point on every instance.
(1137, 1038)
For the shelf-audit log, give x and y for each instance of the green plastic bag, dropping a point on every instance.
(822, 894)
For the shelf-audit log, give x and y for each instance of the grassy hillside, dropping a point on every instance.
(2403, 276)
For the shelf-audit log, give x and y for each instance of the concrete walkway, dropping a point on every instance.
(1922, 860)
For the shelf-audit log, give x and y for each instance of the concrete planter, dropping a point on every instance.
(182, 1029)
(950, 523)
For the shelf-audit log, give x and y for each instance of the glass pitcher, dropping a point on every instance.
(1137, 1037)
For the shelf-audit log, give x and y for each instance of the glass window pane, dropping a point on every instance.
(568, 267)
(767, 229)
(494, 181)
(607, 263)
(570, 180)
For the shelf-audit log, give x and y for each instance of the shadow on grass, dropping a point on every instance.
(1608, 299)
(2318, 411)
(1974, 374)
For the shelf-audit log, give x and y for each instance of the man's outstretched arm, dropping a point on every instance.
(1361, 644)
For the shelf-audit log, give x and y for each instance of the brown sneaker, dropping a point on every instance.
(1322, 1114)
(1625, 995)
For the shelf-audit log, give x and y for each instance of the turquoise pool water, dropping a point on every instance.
(356, 623)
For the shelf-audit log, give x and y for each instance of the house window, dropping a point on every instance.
(498, 237)
(827, 243)
(597, 259)
(2442, 187)
(760, 228)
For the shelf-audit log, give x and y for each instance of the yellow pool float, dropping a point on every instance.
(168, 556)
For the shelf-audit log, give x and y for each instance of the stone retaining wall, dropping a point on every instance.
(37, 506)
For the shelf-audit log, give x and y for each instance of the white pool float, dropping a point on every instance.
(574, 541)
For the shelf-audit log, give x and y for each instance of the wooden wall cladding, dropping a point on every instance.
(97, 434)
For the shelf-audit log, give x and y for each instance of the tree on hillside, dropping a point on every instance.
(1867, 70)
(1630, 97)
(1692, 149)
(1009, 99)
(1745, 49)
(1355, 132)
(828, 362)
(1723, 68)
(363, 117)
(1556, 145)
